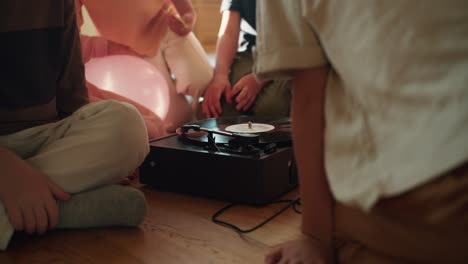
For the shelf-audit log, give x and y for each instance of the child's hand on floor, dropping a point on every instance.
(28, 196)
(306, 250)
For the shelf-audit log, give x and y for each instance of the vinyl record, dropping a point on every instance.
(279, 129)
(251, 128)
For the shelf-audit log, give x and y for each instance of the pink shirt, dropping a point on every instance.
(137, 24)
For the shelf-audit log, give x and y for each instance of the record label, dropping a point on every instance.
(249, 128)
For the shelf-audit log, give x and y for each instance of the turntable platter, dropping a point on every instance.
(250, 128)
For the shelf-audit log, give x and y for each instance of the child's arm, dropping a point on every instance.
(226, 48)
(183, 21)
(308, 134)
(307, 114)
(95, 47)
(27, 195)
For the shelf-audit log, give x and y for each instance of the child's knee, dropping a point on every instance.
(127, 132)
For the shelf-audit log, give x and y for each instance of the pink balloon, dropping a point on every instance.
(132, 77)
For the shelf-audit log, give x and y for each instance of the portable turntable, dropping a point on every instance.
(238, 159)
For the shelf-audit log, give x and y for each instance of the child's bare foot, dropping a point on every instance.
(306, 250)
(128, 180)
(125, 181)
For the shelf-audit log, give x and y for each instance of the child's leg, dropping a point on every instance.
(274, 99)
(154, 124)
(98, 145)
(426, 225)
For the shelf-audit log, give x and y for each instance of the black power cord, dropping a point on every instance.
(295, 206)
(290, 203)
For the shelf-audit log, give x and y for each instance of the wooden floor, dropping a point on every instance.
(178, 229)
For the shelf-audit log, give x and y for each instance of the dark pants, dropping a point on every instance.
(273, 100)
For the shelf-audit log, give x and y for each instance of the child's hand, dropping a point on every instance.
(183, 19)
(211, 105)
(306, 250)
(28, 196)
(246, 89)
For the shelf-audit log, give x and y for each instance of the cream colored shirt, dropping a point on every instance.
(397, 96)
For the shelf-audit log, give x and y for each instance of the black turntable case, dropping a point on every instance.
(174, 165)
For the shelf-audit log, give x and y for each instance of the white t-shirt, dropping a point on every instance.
(397, 96)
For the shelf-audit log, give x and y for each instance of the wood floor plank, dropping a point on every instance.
(177, 229)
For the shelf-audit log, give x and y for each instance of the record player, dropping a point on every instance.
(238, 159)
